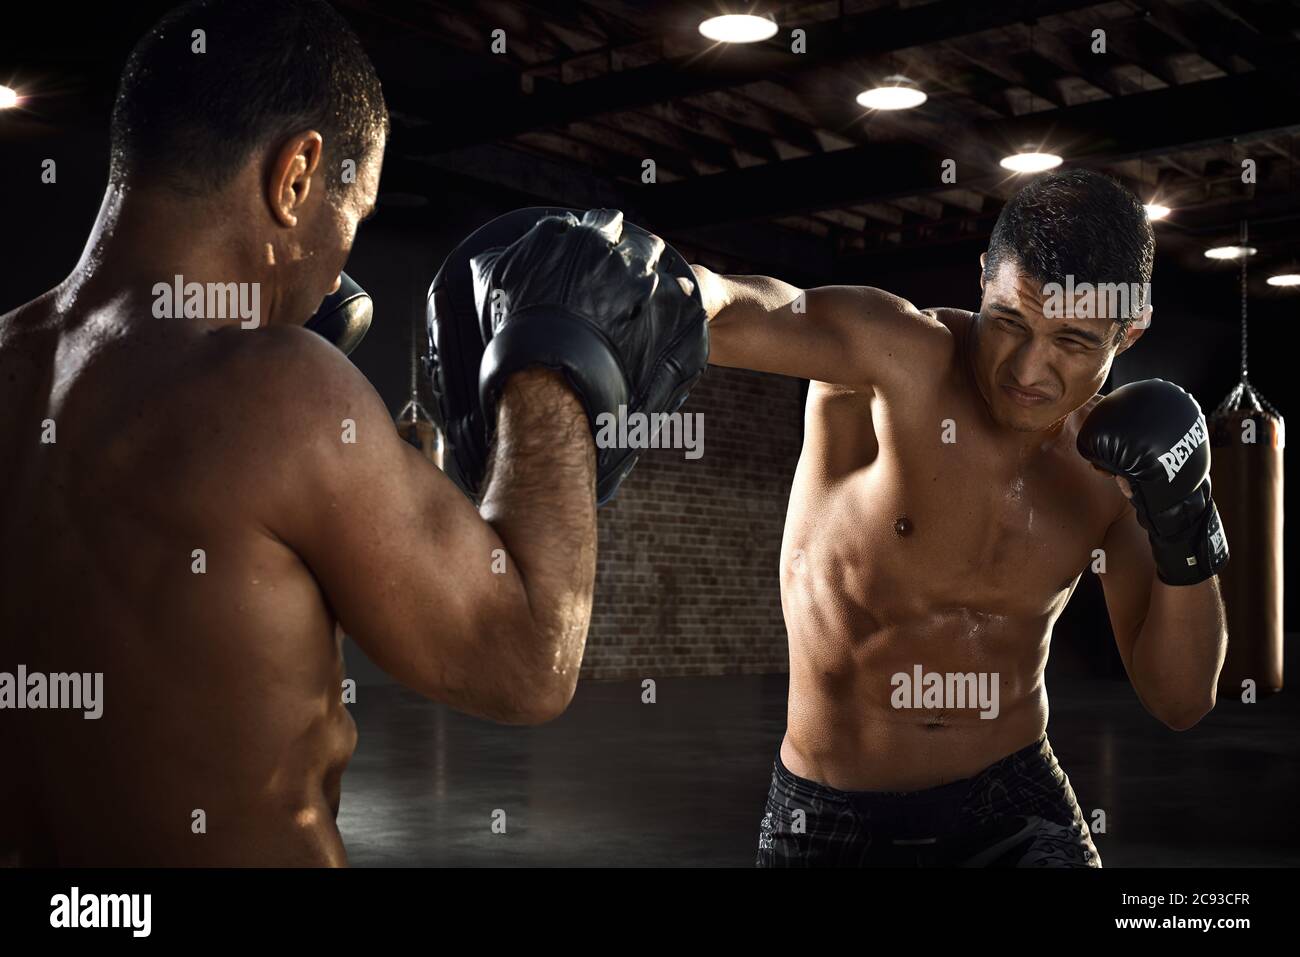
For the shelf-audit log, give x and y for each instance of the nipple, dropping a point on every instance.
(902, 526)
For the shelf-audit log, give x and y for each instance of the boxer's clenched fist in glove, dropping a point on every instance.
(604, 302)
(1153, 434)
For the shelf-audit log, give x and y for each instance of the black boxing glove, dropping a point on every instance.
(344, 316)
(597, 299)
(1153, 433)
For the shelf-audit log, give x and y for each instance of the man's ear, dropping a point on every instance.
(983, 258)
(288, 182)
(1139, 326)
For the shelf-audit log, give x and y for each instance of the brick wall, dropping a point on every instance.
(686, 580)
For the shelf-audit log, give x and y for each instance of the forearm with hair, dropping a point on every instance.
(541, 500)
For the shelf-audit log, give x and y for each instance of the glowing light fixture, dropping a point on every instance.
(8, 98)
(1030, 162)
(1230, 252)
(895, 93)
(738, 28)
(1285, 279)
(1157, 211)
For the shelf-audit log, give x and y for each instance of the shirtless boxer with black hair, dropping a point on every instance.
(222, 683)
(942, 512)
(191, 506)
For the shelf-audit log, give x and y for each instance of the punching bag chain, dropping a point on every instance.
(1244, 259)
(1244, 396)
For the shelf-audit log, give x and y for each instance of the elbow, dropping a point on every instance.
(541, 685)
(1182, 722)
(549, 706)
(530, 663)
(546, 664)
(539, 699)
(1186, 718)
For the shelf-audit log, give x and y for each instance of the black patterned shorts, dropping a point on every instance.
(1018, 812)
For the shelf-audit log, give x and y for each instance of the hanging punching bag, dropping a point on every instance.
(1246, 475)
(1247, 436)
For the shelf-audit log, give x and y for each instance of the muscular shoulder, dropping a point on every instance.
(32, 320)
(888, 342)
(285, 376)
(921, 346)
(956, 321)
(281, 403)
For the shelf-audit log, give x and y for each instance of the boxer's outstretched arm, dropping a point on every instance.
(847, 335)
(487, 613)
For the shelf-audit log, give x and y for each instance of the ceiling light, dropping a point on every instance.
(1030, 162)
(738, 28)
(1230, 252)
(895, 93)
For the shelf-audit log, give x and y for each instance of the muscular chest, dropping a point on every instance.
(981, 533)
(941, 517)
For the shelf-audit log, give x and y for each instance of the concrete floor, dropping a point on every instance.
(615, 782)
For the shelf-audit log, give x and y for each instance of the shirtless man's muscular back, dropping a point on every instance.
(941, 515)
(180, 513)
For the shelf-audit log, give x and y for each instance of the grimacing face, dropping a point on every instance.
(1033, 370)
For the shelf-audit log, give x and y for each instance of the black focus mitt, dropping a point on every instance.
(587, 294)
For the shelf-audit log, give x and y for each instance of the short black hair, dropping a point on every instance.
(1076, 222)
(270, 68)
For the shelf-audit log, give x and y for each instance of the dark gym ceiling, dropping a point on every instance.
(763, 156)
